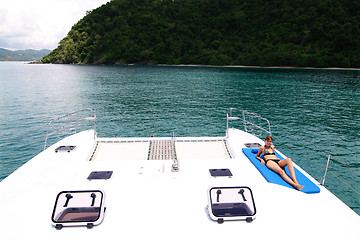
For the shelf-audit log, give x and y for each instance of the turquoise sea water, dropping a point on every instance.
(313, 112)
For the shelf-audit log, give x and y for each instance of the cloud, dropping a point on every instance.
(40, 24)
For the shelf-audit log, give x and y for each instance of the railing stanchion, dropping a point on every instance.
(326, 170)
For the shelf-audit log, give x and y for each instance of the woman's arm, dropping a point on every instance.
(258, 155)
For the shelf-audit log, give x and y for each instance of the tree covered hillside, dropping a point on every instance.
(323, 33)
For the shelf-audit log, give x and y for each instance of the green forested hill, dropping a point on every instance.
(322, 33)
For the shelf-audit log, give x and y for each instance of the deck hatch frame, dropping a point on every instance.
(100, 175)
(67, 148)
(220, 172)
(231, 203)
(78, 208)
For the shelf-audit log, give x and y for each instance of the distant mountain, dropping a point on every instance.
(22, 55)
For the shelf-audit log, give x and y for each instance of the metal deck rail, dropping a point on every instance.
(252, 122)
(70, 123)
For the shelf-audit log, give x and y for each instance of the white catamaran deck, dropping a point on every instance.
(148, 199)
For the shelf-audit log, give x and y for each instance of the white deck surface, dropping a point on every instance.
(146, 200)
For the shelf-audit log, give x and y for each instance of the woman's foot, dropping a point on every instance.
(299, 187)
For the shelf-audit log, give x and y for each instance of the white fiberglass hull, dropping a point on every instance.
(147, 199)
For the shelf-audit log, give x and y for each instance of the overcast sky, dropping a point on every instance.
(40, 24)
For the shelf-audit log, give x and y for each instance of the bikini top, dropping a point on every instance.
(266, 152)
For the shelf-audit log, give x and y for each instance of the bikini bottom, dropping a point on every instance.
(274, 160)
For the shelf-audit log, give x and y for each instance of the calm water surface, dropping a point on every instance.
(320, 107)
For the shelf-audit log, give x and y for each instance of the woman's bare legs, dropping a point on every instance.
(278, 169)
(288, 162)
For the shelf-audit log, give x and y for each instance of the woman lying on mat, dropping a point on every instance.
(277, 165)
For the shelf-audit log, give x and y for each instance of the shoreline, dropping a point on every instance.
(255, 67)
(204, 65)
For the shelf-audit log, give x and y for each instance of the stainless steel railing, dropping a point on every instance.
(70, 123)
(252, 122)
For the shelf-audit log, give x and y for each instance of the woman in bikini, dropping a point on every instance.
(277, 165)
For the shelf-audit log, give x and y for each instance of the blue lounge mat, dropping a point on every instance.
(273, 177)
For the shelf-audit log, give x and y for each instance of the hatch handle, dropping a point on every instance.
(93, 196)
(68, 197)
(218, 192)
(242, 194)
